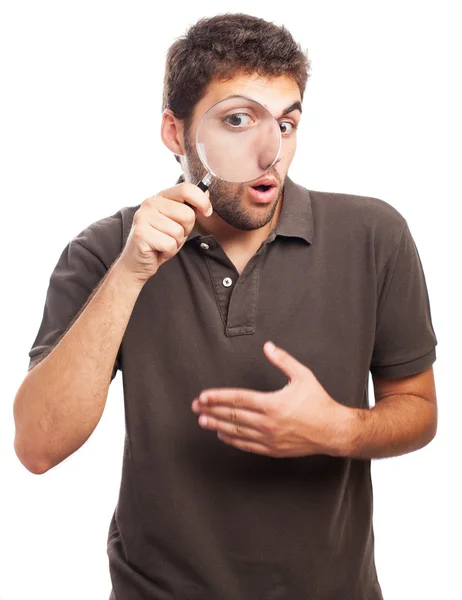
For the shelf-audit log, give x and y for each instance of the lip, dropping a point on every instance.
(265, 181)
(263, 197)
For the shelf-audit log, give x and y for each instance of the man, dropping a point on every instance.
(264, 491)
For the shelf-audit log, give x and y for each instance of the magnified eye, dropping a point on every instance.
(237, 120)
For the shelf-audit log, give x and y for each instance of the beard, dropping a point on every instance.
(227, 198)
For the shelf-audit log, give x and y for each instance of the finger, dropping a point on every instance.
(245, 416)
(189, 193)
(234, 428)
(246, 445)
(237, 397)
(285, 361)
(160, 222)
(181, 213)
(160, 242)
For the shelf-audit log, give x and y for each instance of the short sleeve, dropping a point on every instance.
(405, 340)
(81, 266)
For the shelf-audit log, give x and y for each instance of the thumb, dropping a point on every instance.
(282, 359)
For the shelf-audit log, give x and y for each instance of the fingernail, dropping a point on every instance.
(270, 346)
(209, 212)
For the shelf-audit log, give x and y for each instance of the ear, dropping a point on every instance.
(171, 132)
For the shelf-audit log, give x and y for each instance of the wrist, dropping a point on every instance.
(347, 431)
(125, 277)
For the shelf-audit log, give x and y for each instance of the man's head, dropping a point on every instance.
(223, 55)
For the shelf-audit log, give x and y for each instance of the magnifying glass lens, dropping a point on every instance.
(238, 140)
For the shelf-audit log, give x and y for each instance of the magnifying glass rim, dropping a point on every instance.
(199, 126)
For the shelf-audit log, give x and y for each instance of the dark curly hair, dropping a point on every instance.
(221, 47)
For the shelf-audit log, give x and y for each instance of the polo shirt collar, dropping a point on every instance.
(296, 217)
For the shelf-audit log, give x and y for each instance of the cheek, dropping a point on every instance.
(289, 142)
(291, 153)
(287, 152)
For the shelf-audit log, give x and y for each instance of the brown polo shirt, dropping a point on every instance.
(338, 284)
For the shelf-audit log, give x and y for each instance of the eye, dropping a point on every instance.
(292, 127)
(236, 120)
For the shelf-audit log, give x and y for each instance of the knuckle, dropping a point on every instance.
(137, 217)
(239, 399)
(192, 192)
(172, 245)
(148, 202)
(179, 231)
(270, 427)
(190, 216)
(273, 409)
(138, 234)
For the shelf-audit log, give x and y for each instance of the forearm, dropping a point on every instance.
(62, 398)
(396, 425)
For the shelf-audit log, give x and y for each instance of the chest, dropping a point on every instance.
(197, 325)
(240, 257)
(239, 260)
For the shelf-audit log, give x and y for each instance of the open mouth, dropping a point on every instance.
(262, 188)
(263, 193)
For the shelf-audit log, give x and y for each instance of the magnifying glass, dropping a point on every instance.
(237, 140)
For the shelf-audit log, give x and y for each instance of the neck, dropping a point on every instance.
(227, 235)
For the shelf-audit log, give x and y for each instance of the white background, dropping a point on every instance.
(80, 138)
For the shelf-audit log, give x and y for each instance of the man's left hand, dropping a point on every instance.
(299, 420)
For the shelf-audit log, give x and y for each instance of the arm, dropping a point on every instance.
(62, 398)
(403, 419)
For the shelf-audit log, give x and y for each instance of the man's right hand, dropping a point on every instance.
(160, 227)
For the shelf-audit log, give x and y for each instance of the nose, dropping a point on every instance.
(266, 160)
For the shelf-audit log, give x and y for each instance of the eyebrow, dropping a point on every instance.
(295, 106)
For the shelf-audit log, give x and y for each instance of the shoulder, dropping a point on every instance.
(367, 218)
(106, 237)
(371, 211)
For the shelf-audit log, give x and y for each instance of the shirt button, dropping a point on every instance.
(205, 246)
(227, 281)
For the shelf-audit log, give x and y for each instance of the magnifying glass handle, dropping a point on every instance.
(205, 182)
(202, 186)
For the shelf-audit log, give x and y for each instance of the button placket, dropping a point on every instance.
(237, 304)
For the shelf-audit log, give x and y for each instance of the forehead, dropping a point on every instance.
(276, 93)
